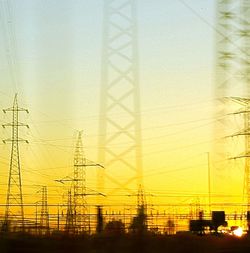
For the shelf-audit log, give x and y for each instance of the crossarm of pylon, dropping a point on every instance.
(19, 140)
(239, 157)
(241, 133)
(18, 124)
(11, 109)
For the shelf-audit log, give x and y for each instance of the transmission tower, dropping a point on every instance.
(245, 33)
(140, 198)
(44, 218)
(69, 228)
(120, 126)
(245, 132)
(77, 213)
(233, 72)
(226, 72)
(79, 186)
(8, 30)
(14, 202)
(139, 222)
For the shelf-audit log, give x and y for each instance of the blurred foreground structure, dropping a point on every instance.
(120, 100)
(232, 91)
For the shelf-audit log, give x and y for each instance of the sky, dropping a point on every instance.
(56, 49)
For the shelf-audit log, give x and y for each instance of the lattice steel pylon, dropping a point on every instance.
(69, 226)
(14, 202)
(245, 21)
(228, 83)
(9, 36)
(245, 33)
(245, 133)
(44, 217)
(120, 125)
(79, 187)
(227, 53)
(233, 70)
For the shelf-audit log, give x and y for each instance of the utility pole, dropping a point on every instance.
(14, 202)
(209, 182)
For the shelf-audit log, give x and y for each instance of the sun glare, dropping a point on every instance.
(238, 232)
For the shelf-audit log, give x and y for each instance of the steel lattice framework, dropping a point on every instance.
(14, 203)
(79, 187)
(233, 72)
(245, 33)
(69, 226)
(227, 70)
(120, 127)
(44, 217)
(9, 36)
(246, 65)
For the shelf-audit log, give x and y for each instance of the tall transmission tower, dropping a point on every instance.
(226, 71)
(79, 186)
(246, 66)
(141, 202)
(120, 126)
(245, 133)
(245, 33)
(8, 30)
(44, 218)
(77, 219)
(232, 34)
(233, 71)
(139, 223)
(14, 202)
(69, 226)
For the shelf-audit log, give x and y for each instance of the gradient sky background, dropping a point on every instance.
(58, 67)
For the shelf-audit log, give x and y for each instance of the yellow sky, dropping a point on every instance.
(58, 66)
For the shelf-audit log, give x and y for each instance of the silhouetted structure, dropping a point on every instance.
(114, 228)
(139, 222)
(100, 224)
(79, 187)
(44, 217)
(14, 202)
(69, 227)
